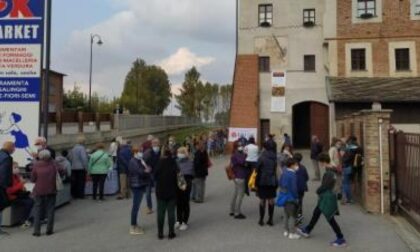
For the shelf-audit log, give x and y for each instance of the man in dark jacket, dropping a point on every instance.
(6, 172)
(316, 149)
(151, 157)
(201, 165)
(124, 156)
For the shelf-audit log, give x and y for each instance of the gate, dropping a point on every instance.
(405, 174)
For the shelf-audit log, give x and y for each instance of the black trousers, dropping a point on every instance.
(183, 202)
(44, 205)
(300, 205)
(78, 180)
(334, 225)
(98, 180)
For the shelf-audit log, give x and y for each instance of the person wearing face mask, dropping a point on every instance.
(18, 195)
(238, 161)
(139, 175)
(6, 174)
(41, 144)
(100, 163)
(288, 185)
(336, 161)
(151, 157)
(186, 168)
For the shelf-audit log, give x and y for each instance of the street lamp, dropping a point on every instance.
(99, 43)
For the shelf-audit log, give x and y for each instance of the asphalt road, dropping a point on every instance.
(92, 226)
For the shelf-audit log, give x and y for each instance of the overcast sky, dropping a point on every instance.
(175, 34)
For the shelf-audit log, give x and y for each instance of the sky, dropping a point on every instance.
(174, 34)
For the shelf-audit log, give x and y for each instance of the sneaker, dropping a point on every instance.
(339, 243)
(261, 223)
(134, 230)
(26, 225)
(232, 214)
(240, 217)
(177, 224)
(149, 211)
(270, 223)
(183, 227)
(286, 234)
(171, 236)
(303, 232)
(293, 236)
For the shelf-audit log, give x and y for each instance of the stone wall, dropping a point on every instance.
(371, 129)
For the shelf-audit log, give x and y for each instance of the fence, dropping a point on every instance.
(405, 169)
(128, 122)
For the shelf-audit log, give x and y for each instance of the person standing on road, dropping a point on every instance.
(41, 144)
(123, 158)
(238, 161)
(316, 149)
(166, 188)
(351, 161)
(100, 164)
(327, 203)
(252, 154)
(201, 166)
(44, 175)
(266, 181)
(186, 168)
(139, 175)
(148, 144)
(6, 174)
(79, 164)
(335, 152)
(288, 184)
(302, 178)
(113, 150)
(152, 157)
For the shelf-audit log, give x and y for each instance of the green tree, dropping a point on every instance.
(75, 99)
(189, 99)
(146, 89)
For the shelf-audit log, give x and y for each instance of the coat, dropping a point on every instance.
(289, 184)
(327, 199)
(78, 157)
(302, 178)
(166, 179)
(44, 175)
(100, 163)
(6, 169)
(201, 164)
(124, 156)
(267, 169)
(16, 187)
(238, 161)
(137, 176)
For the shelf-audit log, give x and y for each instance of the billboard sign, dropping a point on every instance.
(236, 133)
(21, 40)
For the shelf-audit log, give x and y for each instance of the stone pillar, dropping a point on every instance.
(376, 156)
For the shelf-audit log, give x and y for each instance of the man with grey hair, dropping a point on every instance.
(41, 144)
(79, 159)
(6, 171)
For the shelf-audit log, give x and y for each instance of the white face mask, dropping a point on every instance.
(16, 171)
(181, 156)
(139, 155)
(156, 149)
(241, 149)
(39, 147)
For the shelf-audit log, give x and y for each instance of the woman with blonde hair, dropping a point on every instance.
(100, 164)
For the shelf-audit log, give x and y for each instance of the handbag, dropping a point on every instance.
(229, 172)
(182, 183)
(58, 181)
(252, 182)
(4, 199)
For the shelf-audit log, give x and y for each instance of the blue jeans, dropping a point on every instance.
(347, 183)
(137, 198)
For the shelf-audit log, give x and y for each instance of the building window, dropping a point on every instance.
(309, 17)
(264, 64)
(309, 63)
(366, 8)
(358, 59)
(402, 59)
(417, 7)
(265, 15)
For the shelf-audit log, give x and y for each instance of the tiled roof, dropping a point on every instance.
(376, 89)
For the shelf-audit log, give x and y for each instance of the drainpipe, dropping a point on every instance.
(381, 164)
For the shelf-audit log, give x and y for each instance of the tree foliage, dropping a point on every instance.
(76, 100)
(146, 89)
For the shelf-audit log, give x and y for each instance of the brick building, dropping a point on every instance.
(279, 84)
(335, 57)
(374, 56)
(56, 91)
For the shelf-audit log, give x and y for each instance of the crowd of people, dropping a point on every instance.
(281, 179)
(176, 172)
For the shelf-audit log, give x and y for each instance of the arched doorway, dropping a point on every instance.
(310, 118)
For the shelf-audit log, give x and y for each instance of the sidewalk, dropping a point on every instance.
(92, 226)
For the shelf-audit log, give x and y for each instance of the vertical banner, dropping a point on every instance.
(278, 93)
(21, 40)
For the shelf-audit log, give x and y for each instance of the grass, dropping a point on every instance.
(180, 135)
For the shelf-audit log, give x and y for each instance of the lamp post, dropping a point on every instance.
(99, 42)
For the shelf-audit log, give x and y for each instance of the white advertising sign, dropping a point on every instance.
(236, 133)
